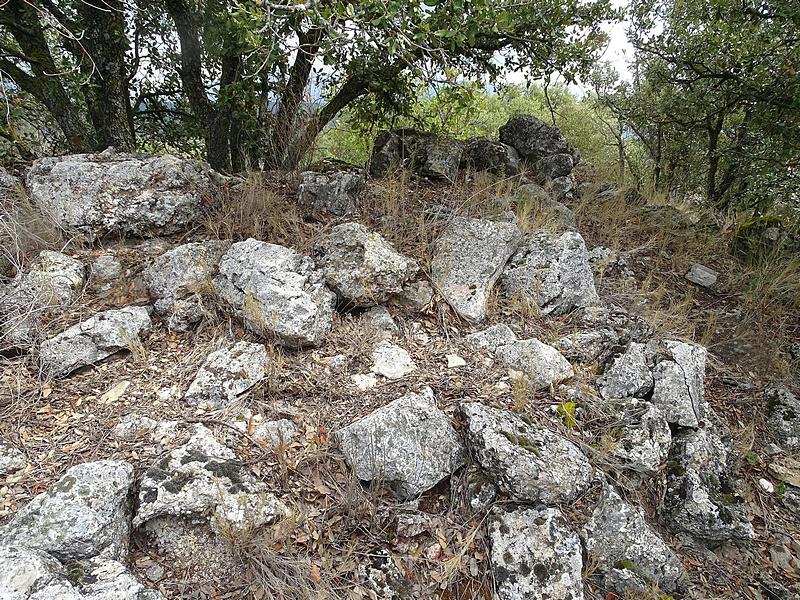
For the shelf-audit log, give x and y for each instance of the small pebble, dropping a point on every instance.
(766, 485)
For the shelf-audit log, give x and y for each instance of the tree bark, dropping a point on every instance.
(713, 128)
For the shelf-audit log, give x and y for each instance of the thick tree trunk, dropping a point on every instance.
(714, 128)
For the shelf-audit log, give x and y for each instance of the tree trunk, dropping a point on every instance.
(713, 128)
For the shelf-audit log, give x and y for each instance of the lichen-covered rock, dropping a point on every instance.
(643, 440)
(437, 157)
(387, 154)
(106, 267)
(11, 459)
(228, 373)
(553, 271)
(276, 433)
(416, 295)
(179, 281)
(110, 580)
(335, 192)
(535, 199)
(380, 321)
(93, 340)
(276, 292)
(408, 444)
(701, 497)
(53, 280)
(84, 514)
(678, 383)
(122, 194)
(469, 257)
(391, 361)
(204, 481)
(617, 535)
(532, 138)
(360, 266)
(628, 376)
(426, 154)
(530, 463)
(588, 346)
(483, 154)
(553, 166)
(535, 555)
(542, 365)
(491, 338)
(563, 188)
(783, 415)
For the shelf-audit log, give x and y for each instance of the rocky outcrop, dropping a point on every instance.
(360, 266)
(679, 378)
(552, 271)
(528, 462)
(179, 281)
(532, 138)
(483, 154)
(54, 280)
(408, 444)
(120, 194)
(642, 442)
(93, 340)
(469, 257)
(335, 191)
(628, 376)
(783, 415)
(540, 364)
(426, 154)
(535, 555)
(276, 292)
(228, 373)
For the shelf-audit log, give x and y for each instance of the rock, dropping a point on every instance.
(629, 328)
(228, 373)
(783, 415)
(491, 338)
(563, 188)
(701, 495)
(360, 266)
(483, 154)
(391, 361)
(617, 536)
(643, 440)
(587, 346)
(552, 271)
(553, 166)
(334, 192)
(179, 281)
(380, 320)
(133, 426)
(702, 275)
(276, 433)
(11, 459)
(542, 365)
(53, 280)
(530, 463)
(629, 375)
(437, 158)
(364, 381)
(204, 481)
(120, 194)
(454, 361)
(535, 555)
(416, 295)
(426, 154)
(678, 384)
(84, 514)
(30, 574)
(93, 340)
(481, 492)
(110, 580)
(532, 138)
(276, 292)
(106, 267)
(408, 444)
(387, 154)
(544, 209)
(468, 259)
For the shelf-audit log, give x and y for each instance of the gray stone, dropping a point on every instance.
(30, 574)
(132, 427)
(701, 497)
(532, 138)
(276, 433)
(276, 292)
(387, 154)
(379, 319)
(11, 459)
(426, 154)
(535, 555)
(110, 580)
(624, 583)
(491, 338)
(437, 158)
(179, 281)
(391, 361)
(783, 415)
(228, 373)
(702, 275)
(483, 154)
(542, 365)
(360, 266)
(106, 267)
(617, 533)
(629, 375)
(468, 259)
(334, 192)
(563, 188)
(123, 194)
(678, 383)
(553, 271)
(408, 444)
(204, 481)
(416, 295)
(643, 440)
(54, 280)
(84, 514)
(93, 340)
(544, 209)
(553, 166)
(530, 463)
(588, 346)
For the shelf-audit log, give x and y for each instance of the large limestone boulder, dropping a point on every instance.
(783, 415)
(53, 280)
(83, 515)
(628, 375)
(468, 259)
(362, 267)
(426, 154)
(678, 383)
(535, 555)
(121, 194)
(530, 463)
(276, 292)
(617, 536)
(93, 340)
(541, 365)
(228, 373)
(553, 271)
(179, 281)
(483, 154)
(334, 189)
(532, 138)
(408, 444)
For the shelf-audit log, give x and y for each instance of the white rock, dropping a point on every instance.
(643, 440)
(678, 384)
(106, 267)
(542, 365)
(11, 459)
(491, 338)
(30, 574)
(364, 382)
(454, 361)
(702, 275)
(228, 373)
(783, 415)
(333, 192)
(391, 361)
(629, 375)
(766, 485)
